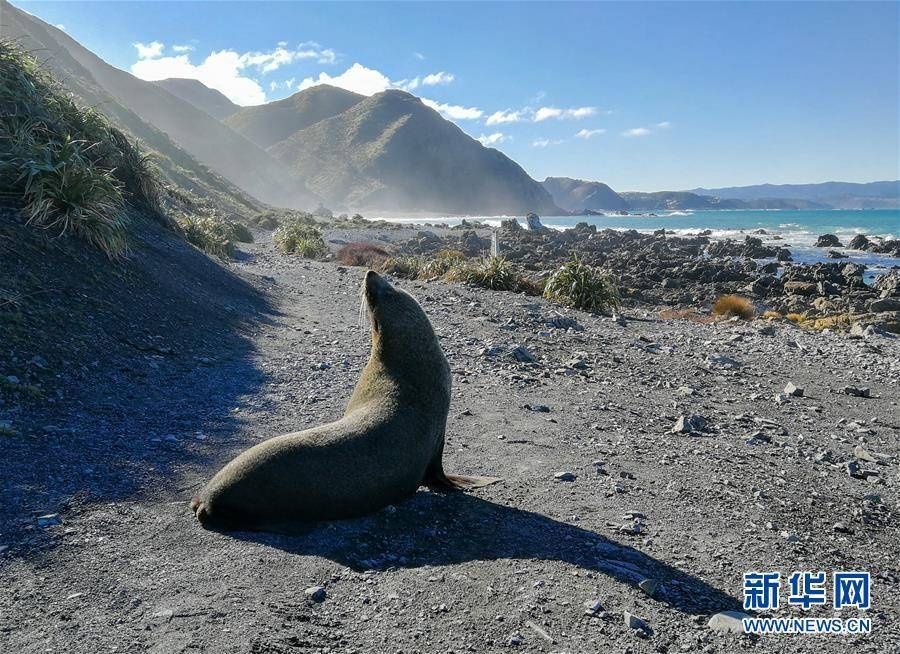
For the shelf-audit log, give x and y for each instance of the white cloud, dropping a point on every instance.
(149, 50)
(287, 84)
(575, 113)
(224, 70)
(589, 133)
(636, 131)
(543, 143)
(435, 79)
(664, 124)
(493, 139)
(357, 78)
(500, 117)
(454, 111)
(60, 26)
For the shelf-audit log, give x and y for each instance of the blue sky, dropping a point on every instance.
(642, 96)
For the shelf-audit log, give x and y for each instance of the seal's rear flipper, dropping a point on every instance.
(466, 481)
(444, 483)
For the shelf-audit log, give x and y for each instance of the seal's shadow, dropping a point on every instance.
(442, 529)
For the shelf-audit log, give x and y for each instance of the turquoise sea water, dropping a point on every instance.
(796, 230)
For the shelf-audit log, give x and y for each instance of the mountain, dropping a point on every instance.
(839, 195)
(201, 96)
(577, 195)
(176, 129)
(677, 200)
(390, 152)
(270, 123)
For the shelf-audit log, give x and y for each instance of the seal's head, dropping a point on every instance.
(397, 320)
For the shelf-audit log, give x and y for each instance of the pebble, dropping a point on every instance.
(855, 391)
(565, 476)
(593, 607)
(521, 354)
(316, 593)
(792, 389)
(687, 424)
(649, 586)
(728, 621)
(636, 623)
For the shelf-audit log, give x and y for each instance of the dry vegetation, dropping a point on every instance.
(734, 306)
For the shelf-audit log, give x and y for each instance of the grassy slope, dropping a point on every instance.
(192, 140)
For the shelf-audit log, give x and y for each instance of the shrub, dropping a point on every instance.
(441, 264)
(406, 266)
(298, 237)
(210, 234)
(65, 194)
(731, 306)
(495, 273)
(579, 285)
(362, 254)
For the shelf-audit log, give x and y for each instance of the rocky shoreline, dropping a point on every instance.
(662, 269)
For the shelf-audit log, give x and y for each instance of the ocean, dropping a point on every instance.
(796, 230)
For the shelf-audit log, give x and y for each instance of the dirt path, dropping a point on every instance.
(509, 566)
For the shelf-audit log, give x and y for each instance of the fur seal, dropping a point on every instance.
(389, 441)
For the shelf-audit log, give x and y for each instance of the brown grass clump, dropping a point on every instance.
(772, 315)
(795, 317)
(362, 254)
(731, 306)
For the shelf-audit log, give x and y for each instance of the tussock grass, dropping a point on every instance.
(407, 267)
(494, 273)
(362, 254)
(730, 306)
(214, 235)
(579, 285)
(441, 264)
(299, 237)
(71, 171)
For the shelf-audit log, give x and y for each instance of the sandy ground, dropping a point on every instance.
(510, 567)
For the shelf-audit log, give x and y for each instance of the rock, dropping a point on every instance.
(722, 361)
(854, 470)
(884, 304)
(687, 390)
(521, 354)
(842, 528)
(828, 241)
(636, 623)
(515, 640)
(537, 408)
(859, 242)
(728, 621)
(793, 389)
(688, 424)
(649, 586)
(593, 607)
(766, 330)
(800, 288)
(48, 520)
(565, 476)
(863, 454)
(316, 593)
(533, 223)
(834, 254)
(856, 391)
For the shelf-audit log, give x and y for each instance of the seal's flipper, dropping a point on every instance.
(466, 481)
(437, 480)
